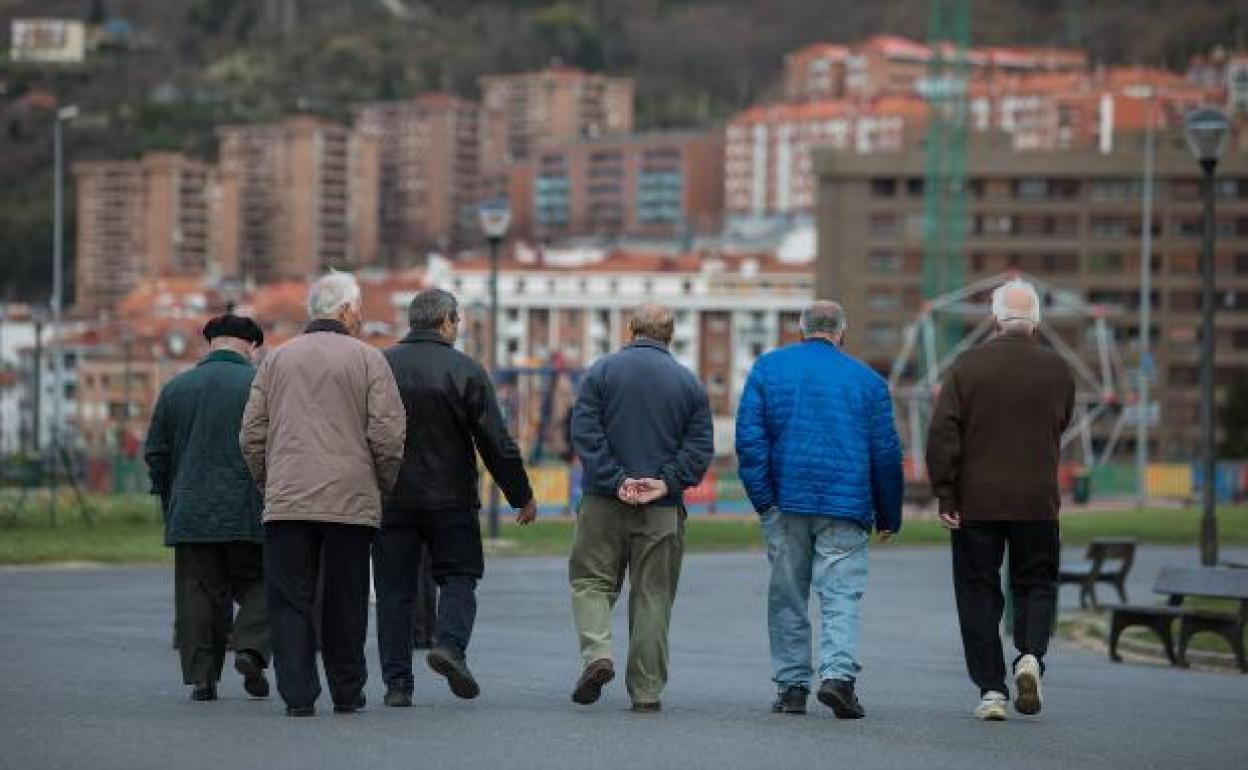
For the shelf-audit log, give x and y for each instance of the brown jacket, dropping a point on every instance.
(995, 439)
(324, 428)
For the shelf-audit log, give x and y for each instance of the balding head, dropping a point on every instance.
(653, 321)
(1016, 308)
(825, 319)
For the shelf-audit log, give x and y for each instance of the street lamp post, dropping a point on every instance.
(1146, 305)
(63, 115)
(495, 218)
(1206, 130)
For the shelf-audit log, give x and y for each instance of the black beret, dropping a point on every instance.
(230, 325)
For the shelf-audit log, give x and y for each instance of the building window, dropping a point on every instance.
(882, 335)
(1031, 189)
(883, 188)
(1115, 189)
(883, 225)
(883, 300)
(1106, 262)
(884, 261)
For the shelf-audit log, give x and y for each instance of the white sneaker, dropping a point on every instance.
(1027, 680)
(992, 707)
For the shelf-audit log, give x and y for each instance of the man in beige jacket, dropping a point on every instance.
(323, 436)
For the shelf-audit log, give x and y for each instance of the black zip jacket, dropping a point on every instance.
(452, 413)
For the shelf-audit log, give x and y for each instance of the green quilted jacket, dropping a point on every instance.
(192, 451)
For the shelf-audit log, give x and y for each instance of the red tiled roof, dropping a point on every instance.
(821, 50)
(641, 262)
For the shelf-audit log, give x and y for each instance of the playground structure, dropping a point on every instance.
(1103, 391)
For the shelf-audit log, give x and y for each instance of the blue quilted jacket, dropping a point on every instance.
(815, 436)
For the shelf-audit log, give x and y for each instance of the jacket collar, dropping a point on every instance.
(425, 335)
(822, 341)
(326, 325)
(228, 356)
(1012, 339)
(647, 342)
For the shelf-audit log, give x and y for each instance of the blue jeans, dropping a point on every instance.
(831, 555)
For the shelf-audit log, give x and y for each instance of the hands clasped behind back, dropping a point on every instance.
(641, 491)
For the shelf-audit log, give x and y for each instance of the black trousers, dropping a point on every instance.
(978, 549)
(425, 603)
(212, 578)
(297, 556)
(457, 563)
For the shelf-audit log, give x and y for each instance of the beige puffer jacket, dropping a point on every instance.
(323, 430)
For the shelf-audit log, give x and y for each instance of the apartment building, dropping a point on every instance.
(297, 197)
(524, 111)
(887, 64)
(1225, 71)
(119, 379)
(656, 185)
(768, 171)
(140, 219)
(428, 154)
(729, 309)
(1072, 219)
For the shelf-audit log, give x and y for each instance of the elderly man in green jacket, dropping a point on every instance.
(212, 510)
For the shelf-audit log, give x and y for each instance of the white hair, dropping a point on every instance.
(1013, 317)
(331, 293)
(824, 317)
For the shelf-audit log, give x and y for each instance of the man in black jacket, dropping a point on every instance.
(452, 413)
(642, 428)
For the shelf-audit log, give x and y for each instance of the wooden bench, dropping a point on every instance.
(1108, 560)
(1178, 583)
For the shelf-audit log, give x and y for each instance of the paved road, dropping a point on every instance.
(87, 680)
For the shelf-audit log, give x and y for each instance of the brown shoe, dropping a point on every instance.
(647, 708)
(595, 676)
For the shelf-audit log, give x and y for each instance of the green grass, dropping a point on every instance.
(128, 530)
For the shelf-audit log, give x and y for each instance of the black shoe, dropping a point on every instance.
(251, 666)
(352, 707)
(301, 711)
(791, 701)
(838, 695)
(452, 665)
(651, 707)
(595, 676)
(204, 692)
(400, 697)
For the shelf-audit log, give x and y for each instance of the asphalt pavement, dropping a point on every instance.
(88, 680)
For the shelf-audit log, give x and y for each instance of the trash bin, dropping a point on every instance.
(1082, 486)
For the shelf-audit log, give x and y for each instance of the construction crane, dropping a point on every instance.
(944, 188)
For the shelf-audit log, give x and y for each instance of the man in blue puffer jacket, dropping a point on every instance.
(821, 462)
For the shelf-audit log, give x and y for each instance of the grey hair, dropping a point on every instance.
(824, 317)
(431, 307)
(330, 293)
(1012, 317)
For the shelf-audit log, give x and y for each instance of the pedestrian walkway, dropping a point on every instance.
(87, 680)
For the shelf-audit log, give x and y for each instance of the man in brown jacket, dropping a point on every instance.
(992, 456)
(323, 436)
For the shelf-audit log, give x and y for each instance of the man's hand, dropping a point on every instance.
(885, 535)
(649, 490)
(627, 493)
(528, 514)
(950, 516)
